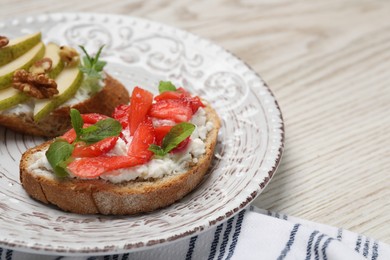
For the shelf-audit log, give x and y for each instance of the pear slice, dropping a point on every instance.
(18, 46)
(52, 51)
(11, 97)
(68, 82)
(23, 62)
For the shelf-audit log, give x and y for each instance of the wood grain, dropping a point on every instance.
(328, 64)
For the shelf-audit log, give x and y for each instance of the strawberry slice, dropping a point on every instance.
(93, 118)
(96, 166)
(143, 137)
(195, 103)
(171, 109)
(141, 101)
(169, 95)
(96, 149)
(121, 113)
(184, 96)
(69, 136)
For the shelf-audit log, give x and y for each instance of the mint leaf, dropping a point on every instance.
(58, 154)
(175, 136)
(101, 130)
(77, 121)
(89, 130)
(166, 86)
(92, 66)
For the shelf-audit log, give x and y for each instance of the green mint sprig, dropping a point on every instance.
(92, 66)
(175, 136)
(102, 129)
(60, 151)
(58, 155)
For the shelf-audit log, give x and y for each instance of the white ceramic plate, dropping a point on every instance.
(141, 52)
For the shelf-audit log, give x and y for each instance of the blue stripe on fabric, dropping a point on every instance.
(358, 243)
(324, 247)
(375, 251)
(191, 247)
(125, 256)
(285, 217)
(225, 240)
(277, 215)
(366, 247)
(339, 234)
(8, 255)
(1, 252)
(290, 242)
(115, 257)
(236, 234)
(309, 244)
(106, 257)
(214, 244)
(317, 245)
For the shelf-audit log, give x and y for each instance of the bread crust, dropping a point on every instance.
(103, 197)
(104, 102)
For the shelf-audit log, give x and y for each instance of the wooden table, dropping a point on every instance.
(328, 64)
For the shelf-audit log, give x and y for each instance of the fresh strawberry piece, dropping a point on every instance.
(171, 109)
(93, 118)
(96, 166)
(96, 149)
(141, 101)
(143, 137)
(121, 113)
(184, 96)
(195, 103)
(169, 95)
(177, 94)
(70, 135)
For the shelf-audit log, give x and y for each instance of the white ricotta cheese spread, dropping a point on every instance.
(173, 163)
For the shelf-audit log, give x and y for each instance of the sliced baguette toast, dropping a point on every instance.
(104, 102)
(98, 196)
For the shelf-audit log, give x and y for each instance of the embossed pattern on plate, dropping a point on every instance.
(141, 52)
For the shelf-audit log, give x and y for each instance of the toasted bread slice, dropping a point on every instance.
(104, 102)
(101, 196)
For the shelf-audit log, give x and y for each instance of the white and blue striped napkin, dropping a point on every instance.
(253, 234)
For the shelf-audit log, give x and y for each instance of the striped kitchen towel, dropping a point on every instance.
(253, 234)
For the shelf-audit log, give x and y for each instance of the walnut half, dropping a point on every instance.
(69, 55)
(35, 85)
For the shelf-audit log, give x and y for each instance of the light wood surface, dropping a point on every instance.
(328, 64)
